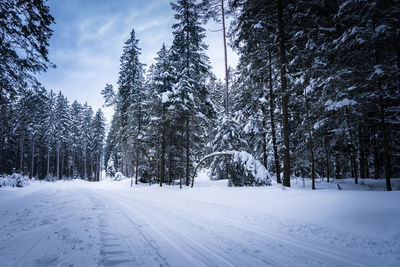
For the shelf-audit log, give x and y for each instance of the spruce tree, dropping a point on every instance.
(190, 99)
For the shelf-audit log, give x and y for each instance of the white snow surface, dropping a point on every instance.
(335, 105)
(165, 97)
(14, 180)
(78, 223)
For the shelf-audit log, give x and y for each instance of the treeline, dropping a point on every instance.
(46, 137)
(41, 134)
(315, 94)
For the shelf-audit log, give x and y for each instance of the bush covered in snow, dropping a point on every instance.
(110, 171)
(119, 176)
(243, 169)
(14, 180)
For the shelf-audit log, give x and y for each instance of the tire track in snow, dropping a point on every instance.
(184, 241)
(40, 232)
(125, 234)
(339, 256)
(191, 249)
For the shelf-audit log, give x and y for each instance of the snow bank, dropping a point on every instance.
(14, 180)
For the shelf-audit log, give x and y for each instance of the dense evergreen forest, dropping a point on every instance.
(316, 93)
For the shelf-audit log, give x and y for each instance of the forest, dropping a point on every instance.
(316, 93)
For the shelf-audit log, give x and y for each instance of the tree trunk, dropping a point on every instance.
(375, 152)
(85, 166)
(100, 172)
(398, 63)
(21, 162)
(386, 157)
(48, 163)
(33, 159)
(285, 97)
(310, 142)
(62, 164)
(327, 159)
(58, 162)
(137, 166)
(337, 167)
(187, 153)
(169, 167)
(131, 179)
(273, 128)
(181, 168)
(265, 155)
(138, 144)
(362, 153)
(162, 160)
(353, 160)
(367, 152)
(91, 167)
(226, 59)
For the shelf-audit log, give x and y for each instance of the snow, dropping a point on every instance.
(165, 97)
(258, 25)
(327, 29)
(119, 176)
(318, 124)
(14, 180)
(78, 223)
(335, 105)
(381, 28)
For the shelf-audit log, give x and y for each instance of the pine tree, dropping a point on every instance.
(191, 104)
(62, 118)
(110, 168)
(228, 138)
(24, 37)
(87, 140)
(129, 106)
(159, 104)
(98, 130)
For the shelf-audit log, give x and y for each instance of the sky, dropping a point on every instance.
(88, 39)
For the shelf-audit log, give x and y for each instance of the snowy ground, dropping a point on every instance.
(108, 223)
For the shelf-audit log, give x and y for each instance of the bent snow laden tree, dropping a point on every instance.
(242, 169)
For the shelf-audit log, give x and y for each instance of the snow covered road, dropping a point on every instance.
(111, 224)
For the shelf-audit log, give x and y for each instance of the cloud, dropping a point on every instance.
(88, 40)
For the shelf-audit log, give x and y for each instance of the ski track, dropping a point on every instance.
(188, 248)
(334, 257)
(337, 249)
(339, 256)
(323, 253)
(182, 241)
(89, 225)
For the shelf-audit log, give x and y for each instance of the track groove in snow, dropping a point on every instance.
(340, 256)
(194, 252)
(112, 224)
(334, 256)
